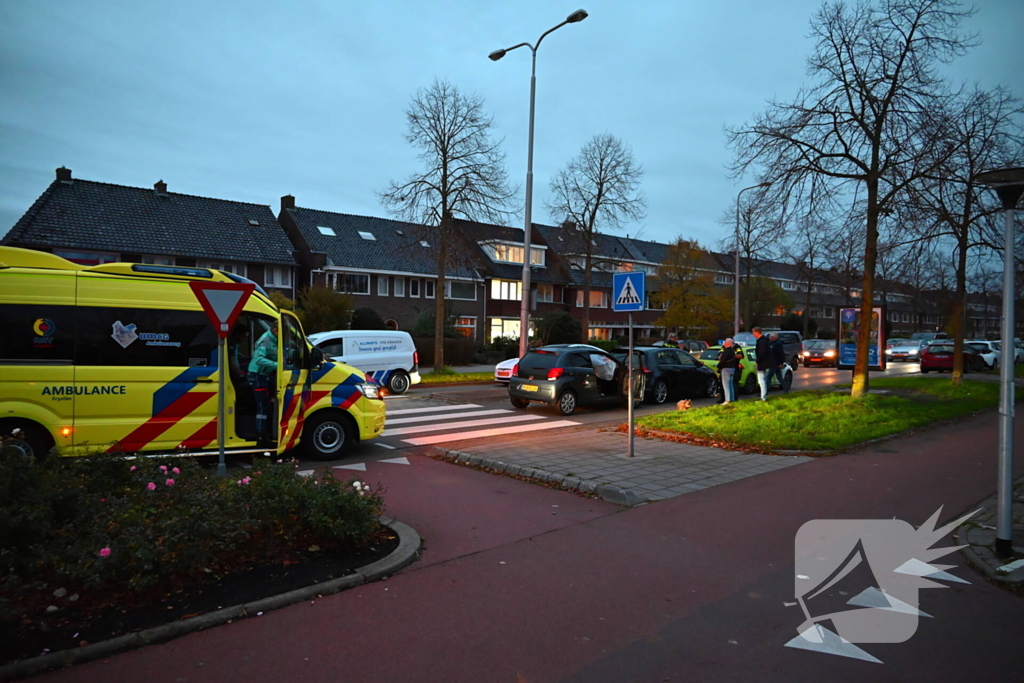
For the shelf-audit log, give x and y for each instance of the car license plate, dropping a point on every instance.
(529, 387)
(942, 355)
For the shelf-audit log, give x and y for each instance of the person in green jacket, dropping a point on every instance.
(262, 373)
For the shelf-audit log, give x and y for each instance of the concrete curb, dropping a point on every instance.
(406, 552)
(608, 492)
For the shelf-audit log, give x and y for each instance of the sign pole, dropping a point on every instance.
(222, 468)
(630, 365)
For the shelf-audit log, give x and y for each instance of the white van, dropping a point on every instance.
(389, 357)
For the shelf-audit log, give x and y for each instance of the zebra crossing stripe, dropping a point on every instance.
(434, 409)
(482, 433)
(461, 425)
(426, 418)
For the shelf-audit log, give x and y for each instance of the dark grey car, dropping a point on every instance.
(569, 377)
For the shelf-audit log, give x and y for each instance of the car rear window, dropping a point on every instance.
(940, 348)
(539, 361)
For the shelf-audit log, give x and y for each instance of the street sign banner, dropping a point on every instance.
(222, 301)
(629, 291)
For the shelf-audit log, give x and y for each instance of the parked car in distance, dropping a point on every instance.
(672, 373)
(388, 356)
(747, 368)
(570, 376)
(938, 356)
(989, 351)
(925, 337)
(820, 352)
(893, 341)
(1018, 352)
(792, 342)
(907, 350)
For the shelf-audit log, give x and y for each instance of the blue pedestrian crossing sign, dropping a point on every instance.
(629, 291)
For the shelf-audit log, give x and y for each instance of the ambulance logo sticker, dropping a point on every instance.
(44, 329)
(124, 335)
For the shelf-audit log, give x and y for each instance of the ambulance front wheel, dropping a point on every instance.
(25, 437)
(327, 435)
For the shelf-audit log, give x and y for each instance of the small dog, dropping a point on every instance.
(685, 404)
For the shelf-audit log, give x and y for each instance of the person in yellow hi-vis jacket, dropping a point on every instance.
(262, 373)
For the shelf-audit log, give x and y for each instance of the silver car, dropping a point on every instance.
(905, 350)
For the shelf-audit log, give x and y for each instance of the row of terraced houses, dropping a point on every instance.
(387, 265)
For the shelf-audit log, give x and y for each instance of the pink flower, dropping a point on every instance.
(176, 470)
(163, 468)
(151, 486)
(132, 468)
(169, 482)
(105, 552)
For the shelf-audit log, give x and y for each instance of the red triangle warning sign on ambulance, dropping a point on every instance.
(222, 301)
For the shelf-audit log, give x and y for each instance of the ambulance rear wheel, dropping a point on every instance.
(398, 383)
(25, 438)
(327, 435)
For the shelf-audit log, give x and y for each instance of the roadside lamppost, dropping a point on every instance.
(1009, 185)
(736, 277)
(524, 312)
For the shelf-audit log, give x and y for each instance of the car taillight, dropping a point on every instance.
(646, 370)
(555, 373)
(415, 357)
(739, 366)
(515, 370)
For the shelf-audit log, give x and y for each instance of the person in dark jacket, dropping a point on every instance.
(778, 359)
(727, 363)
(763, 356)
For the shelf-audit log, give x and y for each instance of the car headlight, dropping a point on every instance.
(369, 390)
(807, 353)
(829, 354)
(888, 352)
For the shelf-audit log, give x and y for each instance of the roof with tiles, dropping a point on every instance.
(84, 214)
(395, 246)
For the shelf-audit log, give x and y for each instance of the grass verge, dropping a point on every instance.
(455, 378)
(827, 420)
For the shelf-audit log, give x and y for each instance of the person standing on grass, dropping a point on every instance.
(778, 359)
(763, 356)
(727, 362)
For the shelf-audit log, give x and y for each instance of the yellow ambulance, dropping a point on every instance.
(120, 357)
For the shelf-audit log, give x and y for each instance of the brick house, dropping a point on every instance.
(91, 222)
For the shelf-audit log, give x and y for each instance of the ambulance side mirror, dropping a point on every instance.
(316, 358)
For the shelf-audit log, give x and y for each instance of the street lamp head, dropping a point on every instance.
(1007, 182)
(577, 16)
(496, 55)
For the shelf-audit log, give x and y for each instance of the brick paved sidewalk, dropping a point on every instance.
(979, 533)
(591, 460)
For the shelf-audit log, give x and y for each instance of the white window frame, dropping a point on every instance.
(459, 325)
(550, 293)
(506, 290)
(231, 267)
(400, 286)
(342, 282)
(602, 298)
(429, 289)
(326, 231)
(414, 288)
(276, 276)
(382, 285)
(448, 290)
(724, 279)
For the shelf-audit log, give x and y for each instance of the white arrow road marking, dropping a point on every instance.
(397, 461)
(434, 409)
(481, 433)
(426, 418)
(820, 639)
(460, 425)
(361, 466)
(872, 597)
(305, 473)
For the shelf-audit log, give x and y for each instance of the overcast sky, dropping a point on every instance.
(252, 100)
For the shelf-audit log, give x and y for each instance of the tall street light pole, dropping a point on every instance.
(736, 277)
(524, 311)
(1009, 185)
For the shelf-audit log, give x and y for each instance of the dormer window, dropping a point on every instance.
(367, 235)
(254, 223)
(424, 243)
(502, 252)
(328, 232)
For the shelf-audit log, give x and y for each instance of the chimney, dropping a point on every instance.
(287, 202)
(64, 174)
(160, 187)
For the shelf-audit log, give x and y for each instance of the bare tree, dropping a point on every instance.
(807, 249)
(863, 128)
(598, 190)
(464, 176)
(984, 134)
(761, 228)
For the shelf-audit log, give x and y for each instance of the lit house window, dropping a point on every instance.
(506, 290)
(597, 299)
(466, 326)
(545, 293)
(511, 253)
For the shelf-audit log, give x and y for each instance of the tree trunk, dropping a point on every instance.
(861, 382)
(960, 299)
(442, 258)
(807, 307)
